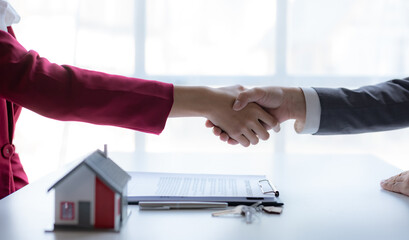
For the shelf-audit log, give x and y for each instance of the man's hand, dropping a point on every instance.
(282, 103)
(398, 183)
(216, 104)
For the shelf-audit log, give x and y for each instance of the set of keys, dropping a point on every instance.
(247, 211)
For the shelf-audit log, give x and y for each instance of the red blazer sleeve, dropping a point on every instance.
(68, 93)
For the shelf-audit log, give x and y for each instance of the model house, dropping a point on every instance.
(92, 195)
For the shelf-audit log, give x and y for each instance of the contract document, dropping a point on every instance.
(232, 189)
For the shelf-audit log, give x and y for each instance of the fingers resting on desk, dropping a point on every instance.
(398, 183)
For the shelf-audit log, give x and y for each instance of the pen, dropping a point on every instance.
(167, 205)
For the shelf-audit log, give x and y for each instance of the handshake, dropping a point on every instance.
(243, 116)
(238, 115)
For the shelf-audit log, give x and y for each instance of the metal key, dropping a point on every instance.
(248, 213)
(238, 210)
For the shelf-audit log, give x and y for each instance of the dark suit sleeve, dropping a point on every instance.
(380, 107)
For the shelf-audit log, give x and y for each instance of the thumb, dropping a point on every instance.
(245, 97)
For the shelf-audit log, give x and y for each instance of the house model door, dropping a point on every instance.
(84, 217)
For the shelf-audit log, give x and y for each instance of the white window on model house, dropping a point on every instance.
(67, 210)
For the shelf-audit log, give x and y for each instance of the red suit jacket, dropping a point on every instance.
(71, 94)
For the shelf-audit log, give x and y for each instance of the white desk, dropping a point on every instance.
(326, 197)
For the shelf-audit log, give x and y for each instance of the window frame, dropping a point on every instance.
(280, 78)
(63, 209)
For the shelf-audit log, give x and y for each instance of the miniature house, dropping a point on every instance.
(92, 195)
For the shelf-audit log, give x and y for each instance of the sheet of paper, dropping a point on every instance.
(194, 185)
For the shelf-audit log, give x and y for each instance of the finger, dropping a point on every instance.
(231, 141)
(396, 178)
(299, 125)
(403, 176)
(389, 183)
(209, 124)
(242, 140)
(224, 137)
(398, 183)
(392, 186)
(245, 97)
(251, 136)
(260, 131)
(399, 178)
(397, 187)
(240, 87)
(277, 128)
(265, 125)
(217, 131)
(268, 119)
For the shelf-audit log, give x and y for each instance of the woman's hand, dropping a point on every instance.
(246, 126)
(281, 103)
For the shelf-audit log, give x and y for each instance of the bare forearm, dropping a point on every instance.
(191, 101)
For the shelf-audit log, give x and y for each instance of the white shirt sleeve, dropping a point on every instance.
(313, 111)
(8, 15)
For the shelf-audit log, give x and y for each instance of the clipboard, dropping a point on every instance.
(232, 189)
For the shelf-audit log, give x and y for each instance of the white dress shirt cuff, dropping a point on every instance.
(313, 111)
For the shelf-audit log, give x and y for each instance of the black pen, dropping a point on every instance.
(167, 205)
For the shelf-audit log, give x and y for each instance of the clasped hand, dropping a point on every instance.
(273, 102)
(245, 126)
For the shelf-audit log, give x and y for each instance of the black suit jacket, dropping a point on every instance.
(380, 107)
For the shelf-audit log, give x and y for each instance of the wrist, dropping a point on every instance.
(294, 102)
(191, 101)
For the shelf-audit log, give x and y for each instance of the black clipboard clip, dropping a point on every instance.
(272, 189)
